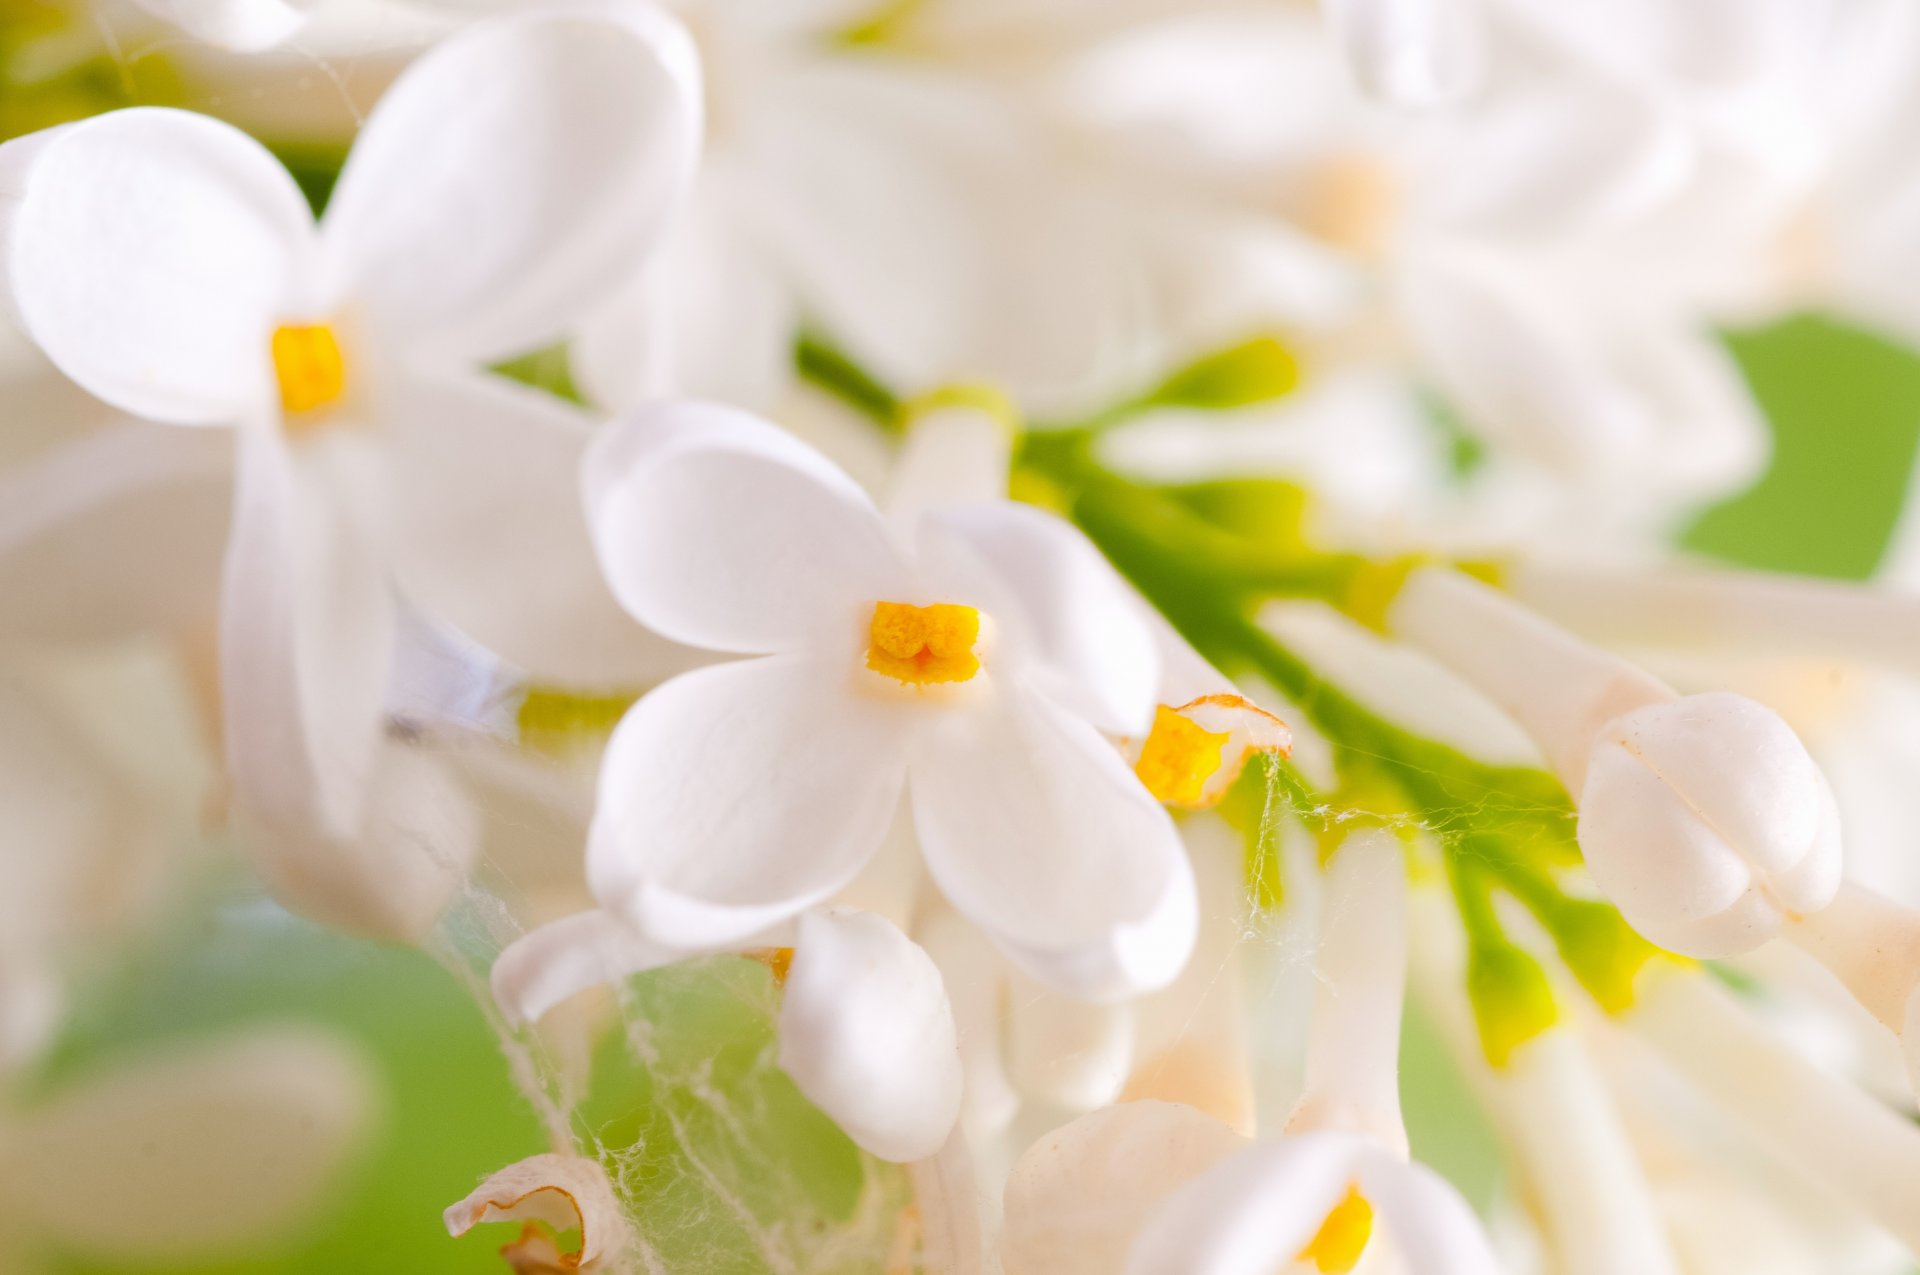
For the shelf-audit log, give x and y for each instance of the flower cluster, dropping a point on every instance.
(1116, 563)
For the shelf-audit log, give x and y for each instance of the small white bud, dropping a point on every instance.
(1706, 823)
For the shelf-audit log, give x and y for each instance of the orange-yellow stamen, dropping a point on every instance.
(1179, 757)
(924, 645)
(307, 361)
(1342, 1238)
(778, 960)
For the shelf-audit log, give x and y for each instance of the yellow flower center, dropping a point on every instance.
(1178, 758)
(923, 645)
(307, 361)
(1342, 1238)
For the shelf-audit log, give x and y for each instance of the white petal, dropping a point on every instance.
(708, 318)
(192, 1154)
(490, 535)
(391, 875)
(151, 253)
(738, 795)
(1079, 1196)
(1413, 52)
(1252, 1214)
(954, 454)
(1064, 1051)
(718, 530)
(117, 533)
(567, 1192)
(867, 1034)
(509, 177)
(1429, 1222)
(974, 976)
(306, 635)
(1035, 829)
(1079, 622)
(243, 26)
(546, 966)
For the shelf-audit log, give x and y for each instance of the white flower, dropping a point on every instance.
(1147, 1188)
(1413, 52)
(1702, 818)
(977, 664)
(169, 265)
(913, 213)
(190, 1156)
(865, 1028)
(1506, 254)
(100, 777)
(1872, 945)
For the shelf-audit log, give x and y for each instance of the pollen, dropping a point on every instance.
(1178, 758)
(778, 960)
(308, 363)
(922, 646)
(1336, 1248)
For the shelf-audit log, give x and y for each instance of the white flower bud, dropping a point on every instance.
(1707, 824)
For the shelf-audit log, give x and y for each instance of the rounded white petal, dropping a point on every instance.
(1079, 623)
(243, 26)
(1252, 1214)
(1036, 830)
(118, 533)
(514, 173)
(1431, 1225)
(735, 796)
(197, 1153)
(391, 875)
(306, 634)
(718, 530)
(975, 979)
(1705, 821)
(490, 537)
(1079, 1196)
(551, 964)
(1413, 52)
(709, 317)
(867, 1034)
(151, 253)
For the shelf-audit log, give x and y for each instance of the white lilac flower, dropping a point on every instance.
(1702, 817)
(1149, 1187)
(190, 1156)
(101, 777)
(169, 265)
(977, 664)
(878, 193)
(1496, 253)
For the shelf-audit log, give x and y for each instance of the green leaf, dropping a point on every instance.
(1844, 406)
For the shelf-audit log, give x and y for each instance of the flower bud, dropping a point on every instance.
(1706, 823)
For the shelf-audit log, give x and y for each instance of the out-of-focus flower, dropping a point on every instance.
(982, 660)
(1702, 818)
(195, 1155)
(1482, 252)
(488, 197)
(876, 193)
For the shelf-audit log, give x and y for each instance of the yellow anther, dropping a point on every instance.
(307, 360)
(924, 645)
(1178, 758)
(778, 960)
(1342, 1238)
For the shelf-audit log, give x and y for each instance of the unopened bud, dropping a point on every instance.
(1707, 824)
